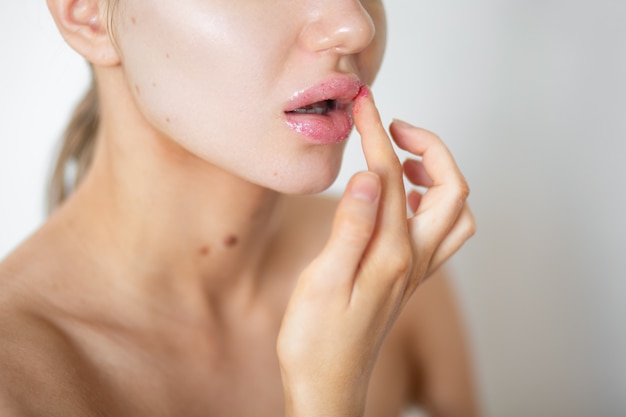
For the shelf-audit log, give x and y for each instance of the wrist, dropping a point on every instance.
(318, 399)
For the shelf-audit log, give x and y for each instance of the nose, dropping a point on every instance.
(340, 26)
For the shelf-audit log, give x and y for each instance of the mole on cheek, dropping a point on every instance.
(167, 55)
(204, 251)
(168, 120)
(133, 20)
(230, 241)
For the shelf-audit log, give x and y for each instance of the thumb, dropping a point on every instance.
(353, 226)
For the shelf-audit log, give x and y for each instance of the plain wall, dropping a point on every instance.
(531, 98)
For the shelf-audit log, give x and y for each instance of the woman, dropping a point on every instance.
(191, 271)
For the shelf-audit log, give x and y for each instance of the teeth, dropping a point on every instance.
(311, 110)
(321, 107)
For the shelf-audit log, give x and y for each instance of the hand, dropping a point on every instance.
(348, 298)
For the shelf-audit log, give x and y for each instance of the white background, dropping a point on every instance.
(531, 98)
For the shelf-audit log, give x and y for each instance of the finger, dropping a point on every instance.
(442, 203)
(416, 173)
(353, 226)
(463, 229)
(413, 199)
(389, 254)
(382, 159)
(436, 158)
(432, 228)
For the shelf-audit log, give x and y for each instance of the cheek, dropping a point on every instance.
(370, 59)
(189, 70)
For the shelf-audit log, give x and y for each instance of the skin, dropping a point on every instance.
(191, 274)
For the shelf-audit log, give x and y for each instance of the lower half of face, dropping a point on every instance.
(260, 89)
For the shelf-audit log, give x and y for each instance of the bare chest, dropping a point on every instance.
(244, 382)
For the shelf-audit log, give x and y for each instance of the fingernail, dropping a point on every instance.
(365, 187)
(402, 124)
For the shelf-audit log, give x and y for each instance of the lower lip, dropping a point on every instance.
(322, 129)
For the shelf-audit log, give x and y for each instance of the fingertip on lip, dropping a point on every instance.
(364, 93)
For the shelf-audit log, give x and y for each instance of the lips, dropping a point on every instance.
(322, 113)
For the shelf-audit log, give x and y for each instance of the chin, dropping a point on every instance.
(313, 180)
(305, 186)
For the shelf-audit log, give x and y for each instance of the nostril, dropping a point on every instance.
(342, 26)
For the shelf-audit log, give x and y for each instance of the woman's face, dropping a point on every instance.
(261, 88)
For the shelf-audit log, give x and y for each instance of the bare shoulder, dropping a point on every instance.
(436, 294)
(40, 369)
(442, 375)
(35, 365)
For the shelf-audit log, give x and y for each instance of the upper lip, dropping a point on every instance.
(342, 88)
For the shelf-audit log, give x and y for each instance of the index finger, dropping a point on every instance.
(381, 159)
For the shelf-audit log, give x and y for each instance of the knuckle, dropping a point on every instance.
(399, 261)
(461, 192)
(464, 190)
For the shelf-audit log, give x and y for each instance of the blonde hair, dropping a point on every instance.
(76, 153)
(79, 138)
